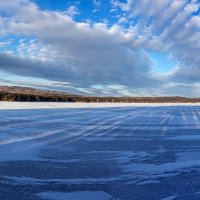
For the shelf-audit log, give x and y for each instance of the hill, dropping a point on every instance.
(16, 93)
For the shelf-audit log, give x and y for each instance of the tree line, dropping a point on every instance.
(28, 97)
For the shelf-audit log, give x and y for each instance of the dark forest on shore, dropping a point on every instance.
(25, 94)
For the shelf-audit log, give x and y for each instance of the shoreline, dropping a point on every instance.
(66, 105)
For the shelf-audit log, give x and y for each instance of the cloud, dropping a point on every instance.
(58, 48)
(72, 11)
(89, 54)
(170, 21)
(175, 25)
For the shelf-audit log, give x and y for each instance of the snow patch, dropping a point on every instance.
(83, 195)
(38, 105)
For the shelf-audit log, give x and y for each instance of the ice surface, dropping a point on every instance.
(106, 151)
(86, 195)
(185, 137)
(170, 197)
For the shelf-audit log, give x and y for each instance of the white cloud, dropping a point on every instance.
(90, 53)
(72, 11)
(97, 3)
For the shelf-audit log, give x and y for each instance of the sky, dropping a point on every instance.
(102, 47)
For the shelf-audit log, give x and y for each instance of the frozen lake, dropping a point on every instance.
(92, 152)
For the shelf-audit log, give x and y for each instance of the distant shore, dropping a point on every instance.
(22, 97)
(24, 94)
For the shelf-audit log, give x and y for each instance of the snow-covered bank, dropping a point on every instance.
(42, 105)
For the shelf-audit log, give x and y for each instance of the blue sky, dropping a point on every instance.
(104, 48)
(162, 62)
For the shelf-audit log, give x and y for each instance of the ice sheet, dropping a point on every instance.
(123, 152)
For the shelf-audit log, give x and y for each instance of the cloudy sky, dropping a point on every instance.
(102, 47)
